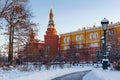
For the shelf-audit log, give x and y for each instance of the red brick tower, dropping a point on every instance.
(51, 37)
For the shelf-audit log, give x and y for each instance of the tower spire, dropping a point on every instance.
(51, 20)
(51, 14)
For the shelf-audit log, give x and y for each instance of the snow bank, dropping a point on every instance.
(39, 75)
(95, 74)
(99, 74)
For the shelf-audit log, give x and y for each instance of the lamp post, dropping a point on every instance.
(104, 23)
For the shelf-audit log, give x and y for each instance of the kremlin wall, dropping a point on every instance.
(81, 45)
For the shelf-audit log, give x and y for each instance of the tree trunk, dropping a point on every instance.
(10, 55)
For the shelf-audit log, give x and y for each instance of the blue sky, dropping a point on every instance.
(70, 15)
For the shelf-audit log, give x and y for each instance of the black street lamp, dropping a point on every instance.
(104, 23)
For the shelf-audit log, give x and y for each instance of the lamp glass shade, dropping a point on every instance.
(104, 23)
(104, 26)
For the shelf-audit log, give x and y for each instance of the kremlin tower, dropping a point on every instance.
(51, 38)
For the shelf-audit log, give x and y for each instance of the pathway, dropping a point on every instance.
(72, 76)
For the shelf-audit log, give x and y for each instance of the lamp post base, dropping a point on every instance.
(105, 64)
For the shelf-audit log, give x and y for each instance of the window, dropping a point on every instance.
(112, 32)
(91, 45)
(68, 39)
(81, 37)
(81, 46)
(66, 47)
(65, 40)
(77, 38)
(91, 35)
(95, 35)
(95, 44)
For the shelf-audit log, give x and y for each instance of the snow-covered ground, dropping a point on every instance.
(95, 74)
(100, 74)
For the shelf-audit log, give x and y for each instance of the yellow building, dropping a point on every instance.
(88, 37)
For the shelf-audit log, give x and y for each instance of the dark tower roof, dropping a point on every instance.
(51, 20)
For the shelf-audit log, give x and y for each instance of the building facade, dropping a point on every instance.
(82, 45)
(87, 42)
